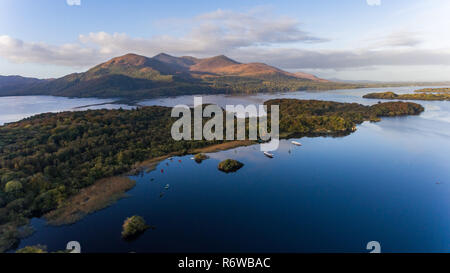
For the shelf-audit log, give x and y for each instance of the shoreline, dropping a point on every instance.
(100, 195)
(107, 191)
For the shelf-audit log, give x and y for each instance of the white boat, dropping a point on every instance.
(296, 143)
(268, 154)
(167, 187)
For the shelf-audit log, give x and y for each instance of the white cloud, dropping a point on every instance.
(247, 37)
(73, 2)
(218, 32)
(74, 55)
(403, 38)
(98, 47)
(373, 2)
(297, 59)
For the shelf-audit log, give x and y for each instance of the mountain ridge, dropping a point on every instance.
(135, 76)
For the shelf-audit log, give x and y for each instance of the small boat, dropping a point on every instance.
(166, 186)
(268, 154)
(296, 143)
(170, 158)
(193, 158)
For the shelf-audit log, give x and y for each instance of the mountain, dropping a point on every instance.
(135, 77)
(12, 83)
(303, 75)
(16, 80)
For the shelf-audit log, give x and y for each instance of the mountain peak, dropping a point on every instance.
(183, 63)
(163, 55)
(130, 59)
(223, 58)
(213, 63)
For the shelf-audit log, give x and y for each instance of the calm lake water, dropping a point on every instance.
(20, 107)
(387, 182)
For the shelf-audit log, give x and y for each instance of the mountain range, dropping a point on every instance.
(135, 77)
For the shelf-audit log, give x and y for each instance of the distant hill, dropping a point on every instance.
(135, 77)
(12, 83)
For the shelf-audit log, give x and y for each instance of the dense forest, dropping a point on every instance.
(415, 96)
(312, 117)
(49, 157)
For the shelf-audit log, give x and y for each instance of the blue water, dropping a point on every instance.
(387, 182)
(18, 107)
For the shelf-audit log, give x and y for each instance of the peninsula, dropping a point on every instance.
(416, 96)
(46, 161)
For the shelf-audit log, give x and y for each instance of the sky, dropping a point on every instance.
(379, 40)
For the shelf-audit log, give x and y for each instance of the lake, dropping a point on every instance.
(20, 107)
(387, 182)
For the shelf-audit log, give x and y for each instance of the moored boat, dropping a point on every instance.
(268, 154)
(296, 143)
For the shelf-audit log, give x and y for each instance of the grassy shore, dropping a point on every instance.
(106, 191)
(93, 198)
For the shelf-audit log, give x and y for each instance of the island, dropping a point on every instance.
(434, 90)
(423, 95)
(200, 157)
(229, 165)
(66, 165)
(133, 227)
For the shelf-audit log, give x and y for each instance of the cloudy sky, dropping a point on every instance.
(387, 40)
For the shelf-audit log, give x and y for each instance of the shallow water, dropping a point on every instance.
(388, 182)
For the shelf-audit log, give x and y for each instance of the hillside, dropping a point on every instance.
(12, 83)
(135, 77)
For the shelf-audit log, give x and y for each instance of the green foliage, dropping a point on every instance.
(49, 157)
(416, 96)
(33, 249)
(200, 157)
(272, 83)
(312, 117)
(13, 231)
(13, 186)
(433, 90)
(133, 226)
(229, 165)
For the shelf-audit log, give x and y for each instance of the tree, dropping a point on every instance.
(13, 186)
(133, 226)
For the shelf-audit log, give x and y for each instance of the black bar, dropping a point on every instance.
(220, 262)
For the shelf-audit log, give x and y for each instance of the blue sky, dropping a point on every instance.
(349, 39)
